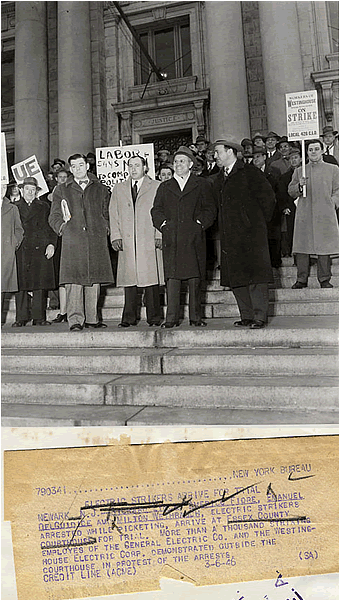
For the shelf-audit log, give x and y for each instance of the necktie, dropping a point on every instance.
(226, 171)
(134, 192)
(83, 183)
(328, 150)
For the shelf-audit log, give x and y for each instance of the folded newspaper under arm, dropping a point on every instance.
(65, 210)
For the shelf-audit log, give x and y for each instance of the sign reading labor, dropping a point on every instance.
(302, 115)
(4, 168)
(30, 168)
(112, 162)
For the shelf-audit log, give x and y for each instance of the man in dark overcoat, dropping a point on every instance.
(183, 209)
(286, 202)
(35, 267)
(12, 234)
(246, 202)
(79, 213)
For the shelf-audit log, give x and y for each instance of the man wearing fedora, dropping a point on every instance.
(35, 267)
(283, 162)
(183, 209)
(246, 202)
(331, 142)
(271, 147)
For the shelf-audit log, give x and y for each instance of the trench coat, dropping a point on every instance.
(316, 228)
(12, 234)
(85, 256)
(139, 262)
(35, 271)
(184, 242)
(246, 203)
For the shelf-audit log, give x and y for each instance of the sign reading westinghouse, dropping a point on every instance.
(302, 115)
(112, 162)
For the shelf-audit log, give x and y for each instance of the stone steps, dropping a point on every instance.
(289, 392)
(200, 361)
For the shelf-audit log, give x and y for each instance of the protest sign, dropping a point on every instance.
(4, 168)
(112, 162)
(30, 168)
(302, 115)
(302, 121)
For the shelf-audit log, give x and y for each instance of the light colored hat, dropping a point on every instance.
(230, 141)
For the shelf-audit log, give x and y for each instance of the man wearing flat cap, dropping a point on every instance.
(35, 267)
(183, 209)
(246, 202)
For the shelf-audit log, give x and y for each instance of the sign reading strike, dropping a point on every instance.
(302, 115)
(4, 167)
(112, 162)
(30, 168)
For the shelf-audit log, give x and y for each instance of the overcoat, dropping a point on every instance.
(139, 262)
(35, 271)
(184, 243)
(246, 202)
(316, 228)
(12, 234)
(84, 252)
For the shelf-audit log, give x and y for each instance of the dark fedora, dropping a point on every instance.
(186, 152)
(30, 181)
(257, 150)
(58, 161)
(272, 134)
(282, 140)
(246, 142)
(328, 129)
(201, 138)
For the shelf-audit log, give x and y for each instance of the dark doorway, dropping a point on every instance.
(169, 141)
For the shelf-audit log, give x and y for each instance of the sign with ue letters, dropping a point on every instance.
(30, 168)
(4, 168)
(112, 162)
(302, 115)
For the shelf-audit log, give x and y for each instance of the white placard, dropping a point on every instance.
(30, 168)
(112, 162)
(302, 115)
(4, 167)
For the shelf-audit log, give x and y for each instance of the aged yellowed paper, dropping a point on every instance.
(114, 519)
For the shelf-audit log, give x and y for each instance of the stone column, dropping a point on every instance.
(281, 58)
(74, 79)
(31, 102)
(227, 73)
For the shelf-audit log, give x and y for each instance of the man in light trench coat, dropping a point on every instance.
(316, 228)
(138, 243)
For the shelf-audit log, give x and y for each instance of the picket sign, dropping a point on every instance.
(4, 167)
(112, 162)
(30, 168)
(302, 116)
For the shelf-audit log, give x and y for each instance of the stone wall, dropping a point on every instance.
(254, 67)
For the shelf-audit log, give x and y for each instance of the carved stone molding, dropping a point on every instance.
(126, 127)
(200, 118)
(325, 81)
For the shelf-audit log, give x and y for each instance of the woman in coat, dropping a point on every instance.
(12, 234)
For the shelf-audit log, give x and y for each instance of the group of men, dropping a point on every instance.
(159, 231)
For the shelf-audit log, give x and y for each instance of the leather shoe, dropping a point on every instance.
(60, 318)
(243, 323)
(169, 325)
(99, 325)
(42, 322)
(298, 285)
(326, 284)
(257, 325)
(125, 324)
(19, 324)
(198, 323)
(76, 327)
(155, 324)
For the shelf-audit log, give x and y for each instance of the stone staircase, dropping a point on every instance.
(285, 373)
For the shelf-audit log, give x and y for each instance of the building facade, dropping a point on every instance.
(74, 76)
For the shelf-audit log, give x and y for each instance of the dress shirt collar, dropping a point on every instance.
(182, 180)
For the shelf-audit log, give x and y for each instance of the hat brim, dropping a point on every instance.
(21, 185)
(333, 133)
(228, 143)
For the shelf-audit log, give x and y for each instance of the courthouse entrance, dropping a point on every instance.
(170, 140)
